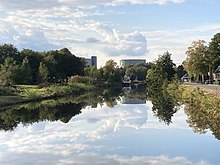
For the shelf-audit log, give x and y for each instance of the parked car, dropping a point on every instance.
(209, 81)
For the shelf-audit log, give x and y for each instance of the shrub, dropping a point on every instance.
(80, 79)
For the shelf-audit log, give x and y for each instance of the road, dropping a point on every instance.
(206, 86)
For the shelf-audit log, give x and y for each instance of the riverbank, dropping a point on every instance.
(29, 93)
(207, 89)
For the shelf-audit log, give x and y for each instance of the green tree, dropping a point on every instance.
(214, 53)
(25, 76)
(111, 72)
(91, 71)
(180, 71)
(161, 72)
(196, 62)
(138, 71)
(8, 50)
(165, 63)
(43, 73)
(63, 64)
(8, 72)
(155, 78)
(34, 59)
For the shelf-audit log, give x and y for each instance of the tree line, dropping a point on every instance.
(56, 66)
(31, 67)
(203, 58)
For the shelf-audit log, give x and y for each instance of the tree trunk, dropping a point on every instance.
(203, 79)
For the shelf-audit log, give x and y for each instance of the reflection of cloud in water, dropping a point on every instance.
(89, 158)
(93, 120)
(101, 131)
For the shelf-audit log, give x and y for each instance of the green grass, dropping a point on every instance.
(30, 92)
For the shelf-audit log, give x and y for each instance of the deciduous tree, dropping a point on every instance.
(196, 62)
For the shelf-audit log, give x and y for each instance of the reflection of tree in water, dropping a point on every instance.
(9, 119)
(165, 103)
(138, 92)
(62, 109)
(110, 96)
(203, 112)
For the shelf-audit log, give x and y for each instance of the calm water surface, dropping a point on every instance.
(127, 133)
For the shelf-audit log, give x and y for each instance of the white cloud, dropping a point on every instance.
(87, 158)
(30, 39)
(40, 4)
(56, 24)
(102, 131)
(118, 44)
(177, 41)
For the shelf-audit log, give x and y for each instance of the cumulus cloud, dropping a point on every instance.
(40, 4)
(26, 4)
(112, 135)
(92, 40)
(177, 41)
(118, 44)
(30, 39)
(86, 158)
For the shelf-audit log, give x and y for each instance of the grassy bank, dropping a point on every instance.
(28, 93)
(203, 88)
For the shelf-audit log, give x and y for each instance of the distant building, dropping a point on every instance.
(217, 74)
(91, 61)
(128, 62)
(185, 78)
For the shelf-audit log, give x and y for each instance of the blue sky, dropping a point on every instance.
(109, 29)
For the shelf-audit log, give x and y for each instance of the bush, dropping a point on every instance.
(80, 79)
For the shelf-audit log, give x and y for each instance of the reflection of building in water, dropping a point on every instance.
(129, 62)
(130, 100)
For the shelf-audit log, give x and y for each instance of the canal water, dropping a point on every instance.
(120, 130)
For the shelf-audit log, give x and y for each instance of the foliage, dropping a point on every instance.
(165, 100)
(8, 72)
(43, 73)
(24, 76)
(34, 59)
(111, 72)
(180, 71)
(9, 51)
(80, 79)
(60, 64)
(203, 111)
(161, 72)
(63, 64)
(63, 109)
(163, 88)
(92, 71)
(196, 62)
(165, 63)
(214, 51)
(138, 71)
